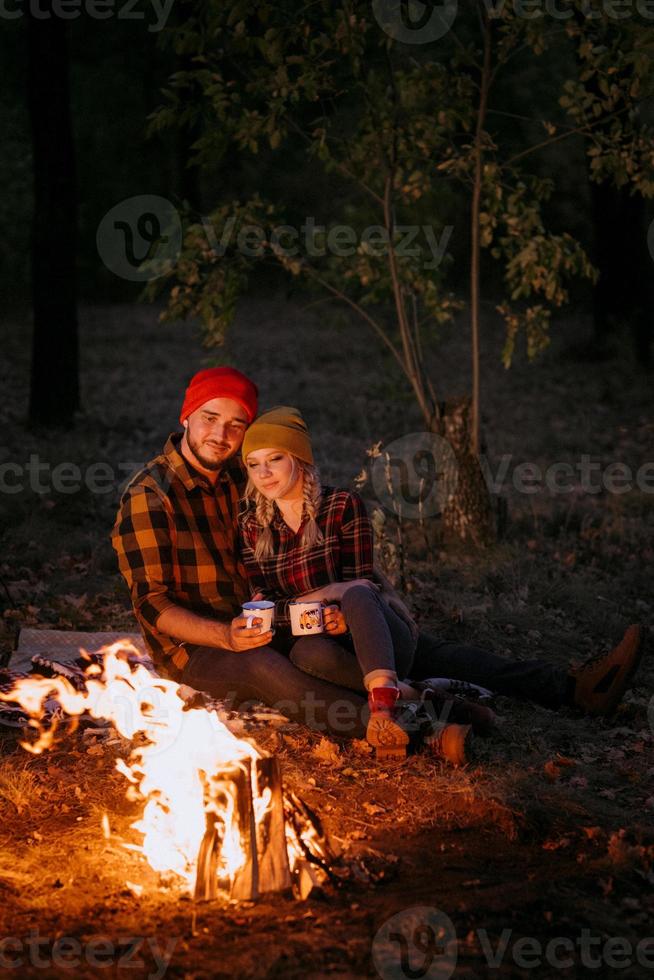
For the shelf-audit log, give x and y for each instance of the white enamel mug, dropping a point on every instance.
(260, 609)
(306, 618)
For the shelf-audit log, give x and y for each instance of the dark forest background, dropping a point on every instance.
(118, 69)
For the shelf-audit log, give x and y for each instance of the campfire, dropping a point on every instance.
(215, 814)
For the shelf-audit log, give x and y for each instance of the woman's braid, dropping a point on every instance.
(264, 512)
(311, 493)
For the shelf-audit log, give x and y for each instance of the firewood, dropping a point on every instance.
(252, 792)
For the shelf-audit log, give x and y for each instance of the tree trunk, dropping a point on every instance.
(54, 390)
(623, 293)
(475, 235)
(467, 514)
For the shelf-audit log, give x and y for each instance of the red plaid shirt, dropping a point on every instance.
(176, 538)
(343, 555)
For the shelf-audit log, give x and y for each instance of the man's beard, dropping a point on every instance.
(208, 463)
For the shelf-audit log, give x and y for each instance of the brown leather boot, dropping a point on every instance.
(385, 731)
(450, 742)
(601, 681)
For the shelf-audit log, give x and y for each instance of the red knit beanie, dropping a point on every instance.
(220, 382)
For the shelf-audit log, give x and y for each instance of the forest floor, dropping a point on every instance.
(539, 854)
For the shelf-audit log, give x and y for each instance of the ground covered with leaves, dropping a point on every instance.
(540, 853)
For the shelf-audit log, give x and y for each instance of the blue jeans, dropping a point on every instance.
(532, 680)
(266, 675)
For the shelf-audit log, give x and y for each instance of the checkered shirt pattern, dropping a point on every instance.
(344, 554)
(176, 538)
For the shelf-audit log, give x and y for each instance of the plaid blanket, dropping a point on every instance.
(11, 713)
(13, 716)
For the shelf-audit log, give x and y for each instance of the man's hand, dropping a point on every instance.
(244, 637)
(334, 620)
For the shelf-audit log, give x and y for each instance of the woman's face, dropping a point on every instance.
(273, 472)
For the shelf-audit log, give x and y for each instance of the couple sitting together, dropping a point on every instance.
(233, 510)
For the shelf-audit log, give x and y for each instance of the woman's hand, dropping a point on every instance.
(334, 620)
(335, 591)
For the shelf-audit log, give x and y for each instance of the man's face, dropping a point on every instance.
(214, 432)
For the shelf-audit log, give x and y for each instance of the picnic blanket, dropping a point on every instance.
(64, 646)
(55, 653)
(68, 654)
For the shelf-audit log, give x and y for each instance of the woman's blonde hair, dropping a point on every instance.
(264, 510)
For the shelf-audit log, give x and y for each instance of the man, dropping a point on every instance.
(176, 541)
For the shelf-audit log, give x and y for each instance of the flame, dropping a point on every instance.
(179, 752)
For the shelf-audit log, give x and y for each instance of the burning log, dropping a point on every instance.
(251, 794)
(283, 840)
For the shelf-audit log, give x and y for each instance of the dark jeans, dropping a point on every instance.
(265, 674)
(380, 641)
(532, 680)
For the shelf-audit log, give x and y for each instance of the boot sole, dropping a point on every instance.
(613, 700)
(389, 739)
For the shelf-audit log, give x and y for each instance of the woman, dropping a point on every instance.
(302, 539)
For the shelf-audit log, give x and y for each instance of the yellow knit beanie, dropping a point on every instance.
(281, 428)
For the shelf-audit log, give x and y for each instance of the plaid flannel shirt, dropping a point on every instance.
(344, 554)
(176, 538)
